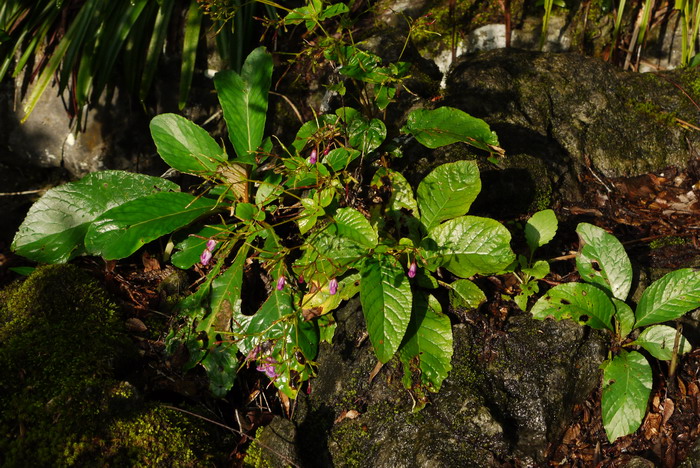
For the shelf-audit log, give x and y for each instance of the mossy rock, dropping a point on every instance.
(61, 348)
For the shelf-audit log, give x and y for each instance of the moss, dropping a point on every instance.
(654, 112)
(666, 241)
(254, 457)
(60, 345)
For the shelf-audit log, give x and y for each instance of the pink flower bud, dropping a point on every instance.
(314, 156)
(333, 286)
(205, 257)
(281, 282)
(211, 243)
(300, 280)
(412, 270)
(327, 150)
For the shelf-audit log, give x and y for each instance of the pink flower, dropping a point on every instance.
(333, 286)
(267, 367)
(211, 243)
(314, 156)
(281, 282)
(205, 257)
(300, 280)
(412, 270)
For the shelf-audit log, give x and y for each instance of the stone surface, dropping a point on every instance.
(574, 112)
(506, 398)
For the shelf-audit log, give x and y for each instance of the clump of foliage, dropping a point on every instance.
(299, 216)
(61, 404)
(599, 302)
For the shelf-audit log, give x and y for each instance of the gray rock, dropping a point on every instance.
(507, 397)
(573, 112)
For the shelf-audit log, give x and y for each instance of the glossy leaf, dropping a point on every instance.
(186, 146)
(602, 260)
(55, 227)
(340, 158)
(401, 191)
(539, 270)
(627, 381)
(328, 255)
(469, 245)
(352, 224)
(466, 294)
(659, 341)
(447, 192)
(581, 302)
(244, 100)
(428, 341)
(122, 230)
(668, 298)
(225, 298)
(386, 299)
(446, 125)
(189, 250)
(540, 229)
(624, 316)
(221, 364)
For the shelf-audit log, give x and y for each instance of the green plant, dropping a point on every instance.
(539, 230)
(82, 43)
(547, 5)
(599, 302)
(298, 216)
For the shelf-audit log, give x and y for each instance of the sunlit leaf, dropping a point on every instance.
(122, 230)
(627, 382)
(386, 299)
(55, 227)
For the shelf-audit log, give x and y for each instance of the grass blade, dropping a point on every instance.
(189, 51)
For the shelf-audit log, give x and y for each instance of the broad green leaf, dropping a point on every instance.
(624, 316)
(527, 289)
(447, 192)
(328, 255)
(581, 302)
(366, 135)
(309, 215)
(446, 125)
(307, 131)
(469, 245)
(539, 270)
(352, 224)
(465, 294)
(266, 324)
(244, 101)
(186, 146)
(540, 229)
(225, 298)
(428, 341)
(55, 227)
(334, 10)
(190, 249)
(401, 191)
(603, 261)
(189, 50)
(668, 298)
(221, 364)
(340, 158)
(386, 298)
(627, 381)
(270, 188)
(659, 341)
(122, 230)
